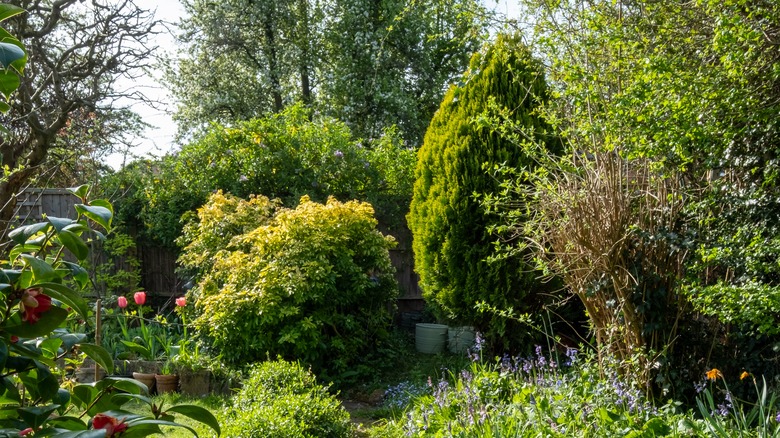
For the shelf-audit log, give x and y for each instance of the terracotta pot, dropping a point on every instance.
(146, 379)
(167, 383)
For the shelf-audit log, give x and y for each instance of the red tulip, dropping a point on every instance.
(111, 425)
(181, 301)
(122, 302)
(140, 298)
(34, 303)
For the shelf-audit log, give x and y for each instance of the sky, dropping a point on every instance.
(159, 138)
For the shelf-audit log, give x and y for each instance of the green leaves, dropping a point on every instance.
(98, 213)
(275, 286)
(197, 413)
(99, 355)
(12, 57)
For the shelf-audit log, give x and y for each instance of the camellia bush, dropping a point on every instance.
(39, 289)
(312, 284)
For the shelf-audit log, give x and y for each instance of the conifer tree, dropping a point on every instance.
(450, 227)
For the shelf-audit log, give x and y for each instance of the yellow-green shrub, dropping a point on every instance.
(311, 284)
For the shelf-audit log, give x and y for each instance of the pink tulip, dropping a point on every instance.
(140, 298)
(181, 301)
(122, 302)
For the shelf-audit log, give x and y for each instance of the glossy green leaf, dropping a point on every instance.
(100, 433)
(142, 430)
(8, 11)
(42, 271)
(3, 354)
(99, 355)
(69, 340)
(150, 422)
(9, 80)
(47, 384)
(137, 348)
(124, 398)
(66, 296)
(78, 272)
(11, 391)
(22, 234)
(197, 413)
(50, 320)
(125, 384)
(59, 223)
(101, 215)
(9, 275)
(69, 423)
(35, 416)
(84, 395)
(74, 244)
(4, 108)
(50, 346)
(80, 191)
(105, 203)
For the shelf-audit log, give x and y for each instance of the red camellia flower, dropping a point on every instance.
(25, 432)
(140, 298)
(181, 301)
(111, 425)
(122, 302)
(34, 303)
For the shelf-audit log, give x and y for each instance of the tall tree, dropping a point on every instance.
(452, 243)
(371, 64)
(69, 94)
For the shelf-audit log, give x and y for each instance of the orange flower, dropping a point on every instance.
(744, 375)
(713, 374)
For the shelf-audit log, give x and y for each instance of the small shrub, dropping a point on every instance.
(281, 399)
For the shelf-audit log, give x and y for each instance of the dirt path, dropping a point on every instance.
(359, 414)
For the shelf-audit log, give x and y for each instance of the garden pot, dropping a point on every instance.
(460, 339)
(196, 383)
(430, 338)
(145, 378)
(167, 383)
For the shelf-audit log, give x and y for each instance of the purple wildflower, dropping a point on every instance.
(338, 154)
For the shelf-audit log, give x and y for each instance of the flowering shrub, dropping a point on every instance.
(311, 284)
(38, 291)
(282, 399)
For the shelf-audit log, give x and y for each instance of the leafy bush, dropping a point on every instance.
(283, 156)
(314, 283)
(451, 239)
(281, 399)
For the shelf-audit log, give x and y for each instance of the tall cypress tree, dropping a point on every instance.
(451, 240)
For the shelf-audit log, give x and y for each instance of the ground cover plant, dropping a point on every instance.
(566, 393)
